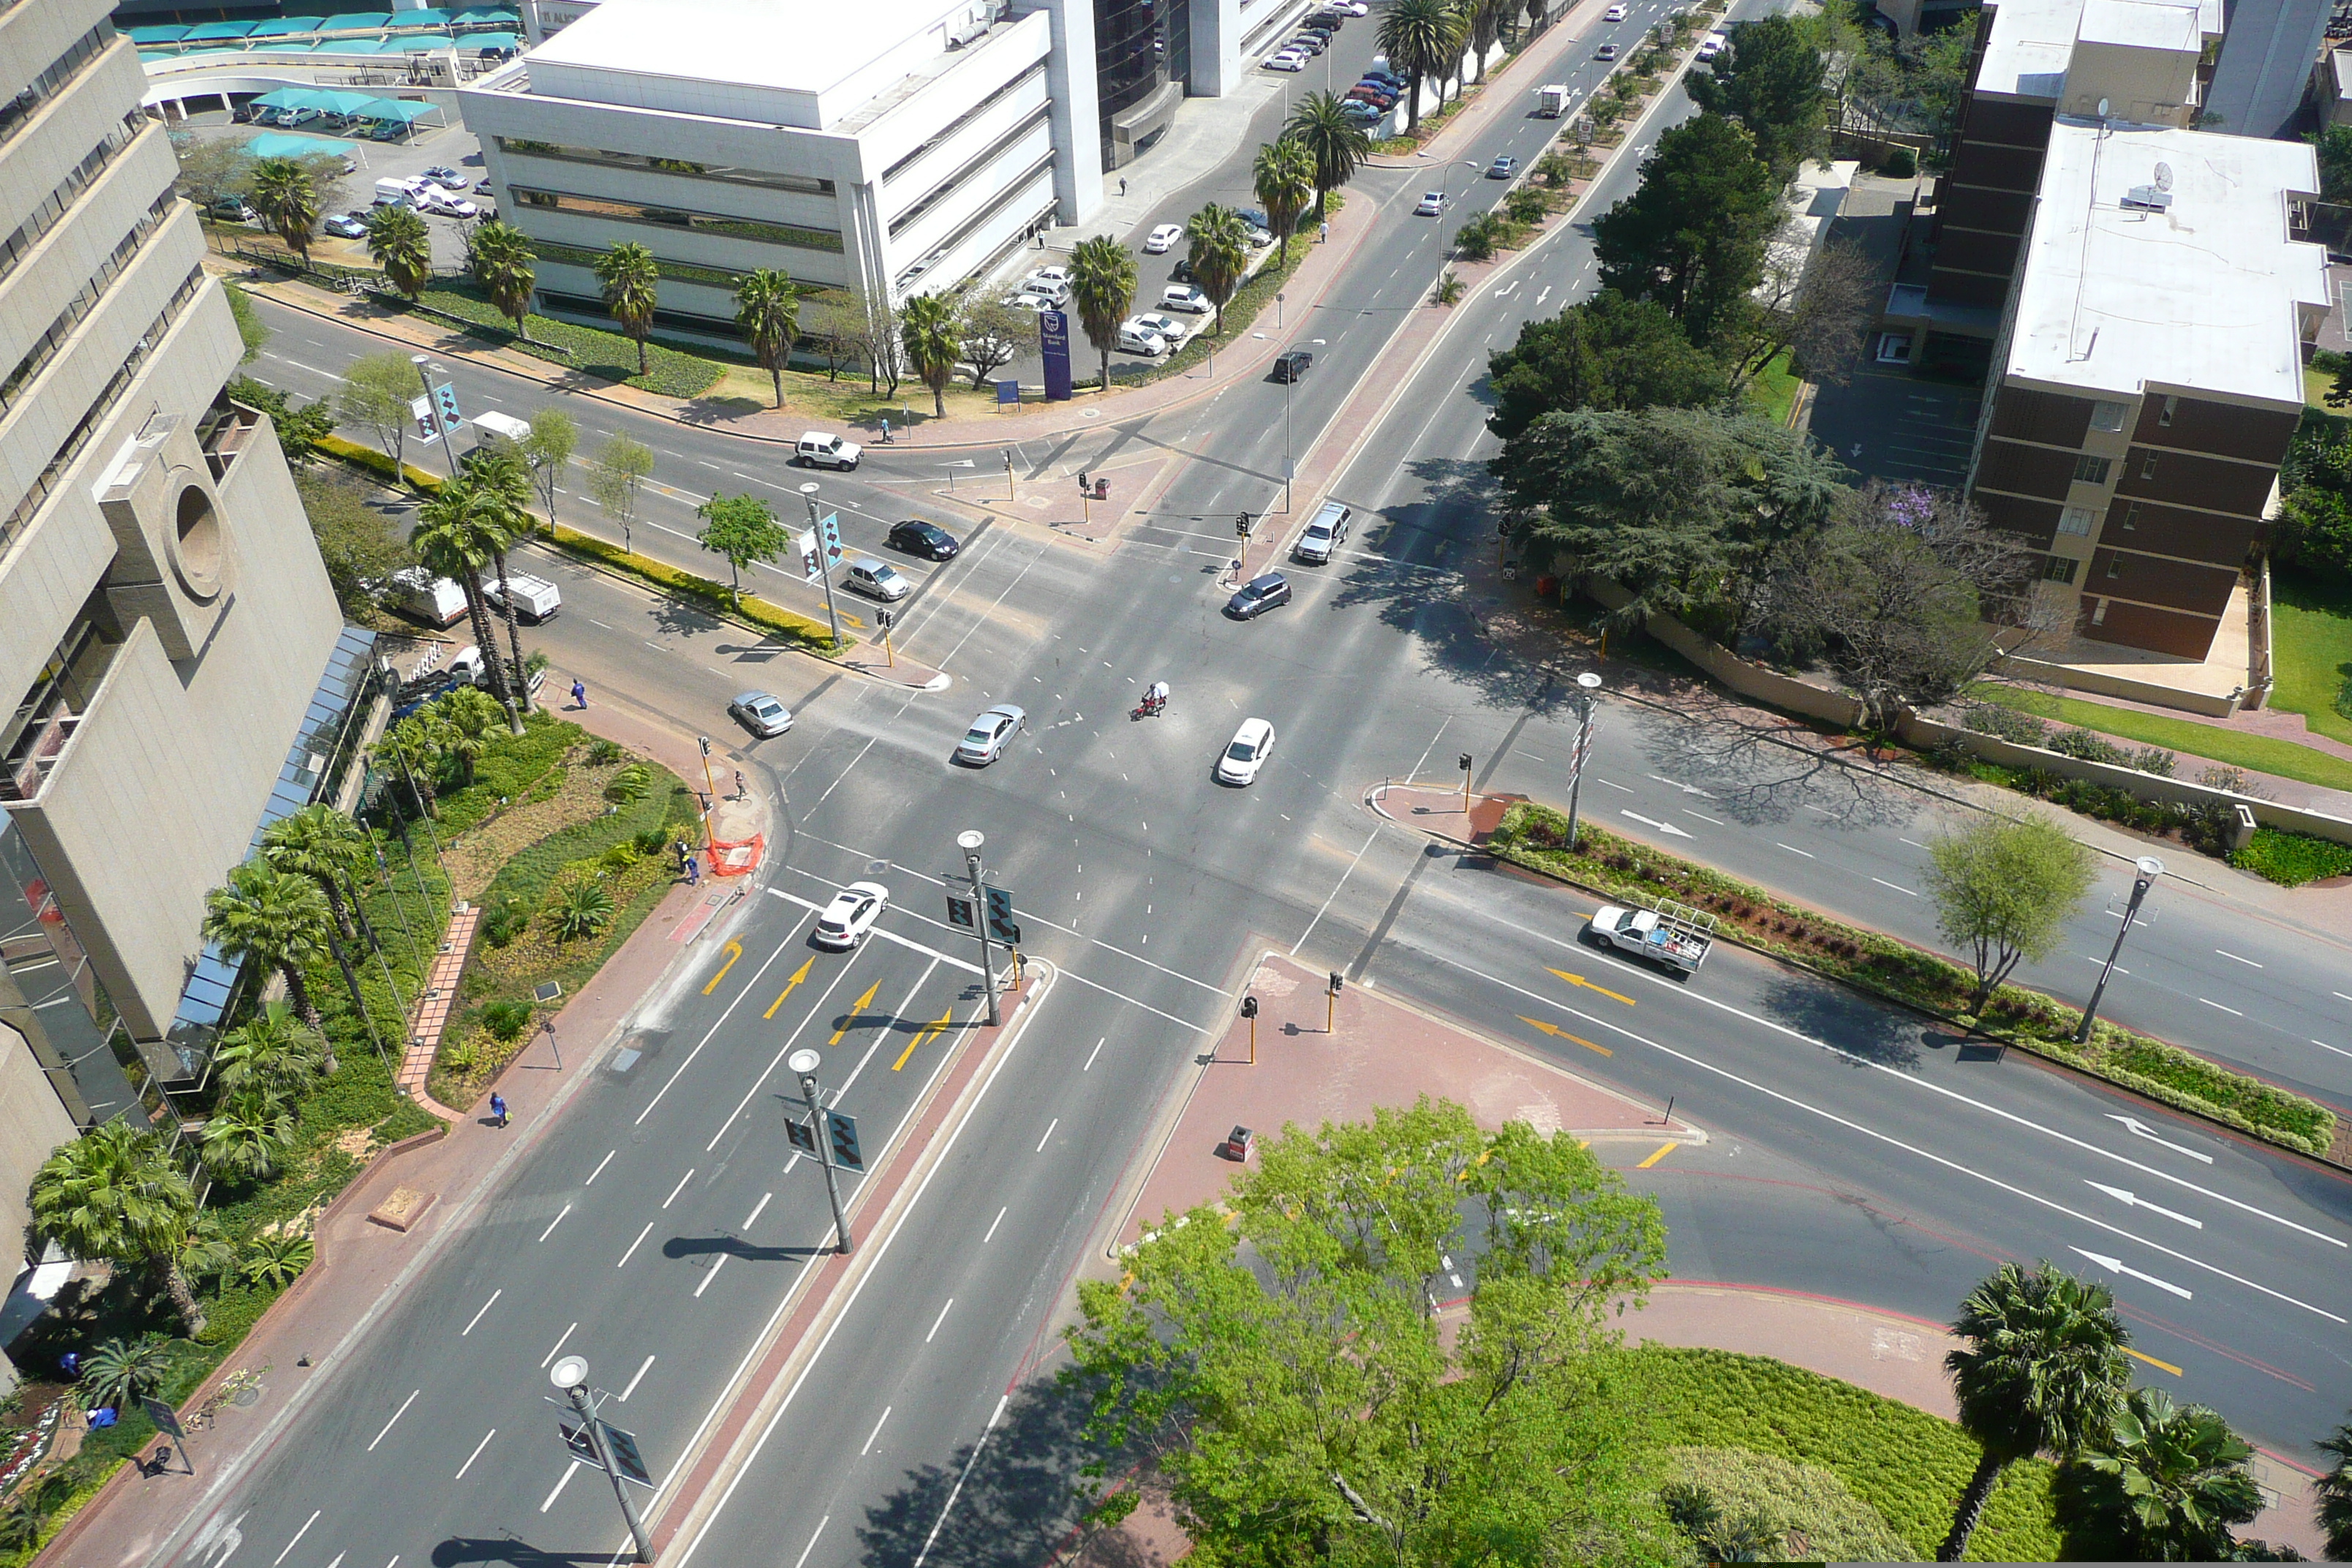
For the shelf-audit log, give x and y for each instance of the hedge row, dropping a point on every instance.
(1534, 836)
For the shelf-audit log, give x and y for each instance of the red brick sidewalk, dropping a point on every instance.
(433, 1010)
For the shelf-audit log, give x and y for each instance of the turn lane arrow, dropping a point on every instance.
(2139, 1129)
(2117, 1266)
(2126, 1196)
(1665, 828)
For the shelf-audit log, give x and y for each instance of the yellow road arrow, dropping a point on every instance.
(855, 1009)
(1563, 1034)
(923, 1036)
(790, 985)
(1580, 980)
(733, 949)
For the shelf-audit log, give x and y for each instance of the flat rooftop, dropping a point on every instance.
(771, 46)
(2032, 40)
(2206, 294)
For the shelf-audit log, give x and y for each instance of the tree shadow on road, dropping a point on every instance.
(1760, 767)
(681, 618)
(1865, 1030)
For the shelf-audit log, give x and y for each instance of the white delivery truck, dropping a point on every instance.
(506, 426)
(535, 598)
(1673, 935)
(1551, 101)
(390, 192)
(422, 596)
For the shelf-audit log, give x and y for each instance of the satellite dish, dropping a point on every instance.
(2102, 109)
(2163, 177)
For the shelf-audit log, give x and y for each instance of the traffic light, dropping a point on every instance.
(1241, 524)
(1339, 983)
(999, 915)
(1249, 1007)
(1083, 485)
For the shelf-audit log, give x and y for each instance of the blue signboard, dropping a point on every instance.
(1053, 330)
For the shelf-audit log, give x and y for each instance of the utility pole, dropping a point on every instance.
(448, 436)
(2149, 868)
(970, 841)
(709, 798)
(824, 566)
(1586, 685)
(570, 1375)
(803, 1064)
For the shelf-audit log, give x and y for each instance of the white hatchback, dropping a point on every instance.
(845, 920)
(1245, 753)
(1287, 60)
(1161, 241)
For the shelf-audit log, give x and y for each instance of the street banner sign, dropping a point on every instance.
(445, 403)
(829, 526)
(806, 545)
(801, 1137)
(421, 408)
(999, 915)
(960, 913)
(627, 1459)
(846, 1152)
(1054, 338)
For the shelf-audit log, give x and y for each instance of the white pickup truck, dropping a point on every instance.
(1674, 935)
(535, 598)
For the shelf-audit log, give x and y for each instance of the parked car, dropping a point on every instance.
(1138, 339)
(484, 183)
(1168, 327)
(441, 175)
(434, 199)
(1383, 74)
(816, 449)
(1182, 271)
(1049, 277)
(342, 225)
(1377, 93)
(1287, 60)
(1258, 595)
(1162, 239)
(1184, 296)
(878, 580)
(1361, 111)
(1292, 365)
(760, 713)
(235, 210)
(1431, 204)
(927, 540)
(1308, 44)
(1350, 7)
(852, 913)
(1503, 168)
(1245, 753)
(990, 733)
(1054, 292)
(1605, 52)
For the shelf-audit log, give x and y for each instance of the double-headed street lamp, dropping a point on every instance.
(2149, 868)
(824, 566)
(1587, 684)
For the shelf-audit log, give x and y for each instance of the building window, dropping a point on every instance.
(1894, 348)
(2098, 611)
(2106, 415)
(2076, 519)
(526, 148)
(980, 163)
(966, 118)
(2114, 567)
(2147, 467)
(2171, 404)
(2131, 516)
(2090, 471)
(17, 112)
(756, 229)
(2058, 569)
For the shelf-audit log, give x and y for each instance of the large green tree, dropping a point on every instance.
(277, 919)
(742, 530)
(1692, 236)
(1771, 80)
(768, 309)
(1337, 145)
(2166, 1484)
(1217, 247)
(631, 282)
(2040, 1368)
(401, 245)
(377, 395)
(1102, 288)
(927, 329)
(113, 1195)
(2004, 890)
(2334, 145)
(1422, 39)
(284, 193)
(1605, 353)
(1302, 1401)
(500, 256)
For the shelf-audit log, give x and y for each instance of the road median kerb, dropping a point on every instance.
(804, 1321)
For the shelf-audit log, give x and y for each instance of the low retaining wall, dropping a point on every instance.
(2073, 678)
(1746, 678)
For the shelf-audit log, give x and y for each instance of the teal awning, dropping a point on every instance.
(487, 42)
(407, 111)
(276, 145)
(210, 30)
(488, 16)
(157, 34)
(358, 22)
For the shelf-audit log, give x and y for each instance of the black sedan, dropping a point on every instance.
(1292, 366)
(927, 540)
(1258, 595)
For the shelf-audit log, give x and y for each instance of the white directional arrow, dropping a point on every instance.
(2139, 1129)
(2126, 1196)
(2117, 1266)
(1666, 827)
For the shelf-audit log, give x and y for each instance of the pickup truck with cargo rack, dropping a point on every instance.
(1674, 935)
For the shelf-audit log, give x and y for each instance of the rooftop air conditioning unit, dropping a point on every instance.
(2147, 199)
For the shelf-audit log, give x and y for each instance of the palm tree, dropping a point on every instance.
(283, 194)
(501, 508)
(323, 844)
(500, 257)
(1218, 251)
(467, 717)
(117, 1373)
(413, 750)
(927, 325)
(2335, 1494)
(272, 1055)
(2163, 1487)
(242, 1139)
(631, 289)
(1337, 144)
(403, 247)
(767, 308)
(113, 1195)
(276, 920)
(1283, 175)
(2043, 1368)
(1422, 38)
(1102, 286)
(452, 541)
(1485, 25)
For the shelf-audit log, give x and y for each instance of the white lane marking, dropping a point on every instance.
(1092, 1054)
(1677, 784)
(634, 1381)
(2130, 1199)
(1898, 887)
(2324, 1045)
(2219, 1008)
(306, 1530)
(803, 1561)
(1049, 1133)
(1666, 827)
(2139, 1129)
(600, 1168)
(396, 1416)
(634, 1244)
(2340, 996)
(2117, 1266)
(871, 1436)
(679, 1188)
(706, 1279)
(1326, 902)
(781, 1051)
(556, 1221)
(750, 987)
(1794, 850)
(928, 1541)
(476, 1453)
(562, 1482)
(994, 1223)
(1545, 295)
(2094, 958)
(891, 936)
(938, 1320)
(1913, 842)
(477, 1316)
(1613, 783)
(556, 1346)
(2247, 962)
(1710, 821)
(758, 1209)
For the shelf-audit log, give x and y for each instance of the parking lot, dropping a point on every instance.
(453, 147)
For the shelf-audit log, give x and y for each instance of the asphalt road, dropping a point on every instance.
(657, 1226)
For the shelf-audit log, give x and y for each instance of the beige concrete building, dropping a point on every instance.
(170, 654)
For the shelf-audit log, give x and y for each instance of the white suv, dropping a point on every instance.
(819, 451)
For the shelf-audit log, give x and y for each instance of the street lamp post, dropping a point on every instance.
(570, 1375)
(1586, 685)
(970, 841)
(803, 1064)
(2149, 868)
(448, 437)
(823, 567)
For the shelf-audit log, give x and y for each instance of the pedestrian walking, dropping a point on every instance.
(680, 848)
(885, 432)
(1122, 184)
(498, 1109)
(739, 784)
(693, 872)
(579, 695)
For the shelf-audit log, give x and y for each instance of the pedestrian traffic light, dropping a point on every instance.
(1083, 484)
(1241, 524)
(1338, 981)
(999, 915)
(1249, 1007)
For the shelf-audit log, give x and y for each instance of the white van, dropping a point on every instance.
(392, 192)
(535, 598)
(819, 451)
(422, 596)
(1323, 533)
(505, 426)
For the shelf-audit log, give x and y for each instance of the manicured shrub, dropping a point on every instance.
(2291, 859)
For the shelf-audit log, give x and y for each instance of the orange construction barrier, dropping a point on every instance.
(739, 858)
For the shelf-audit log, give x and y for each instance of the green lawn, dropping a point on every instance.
(1773, 393)
(2255, 753)
(2311, 652)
